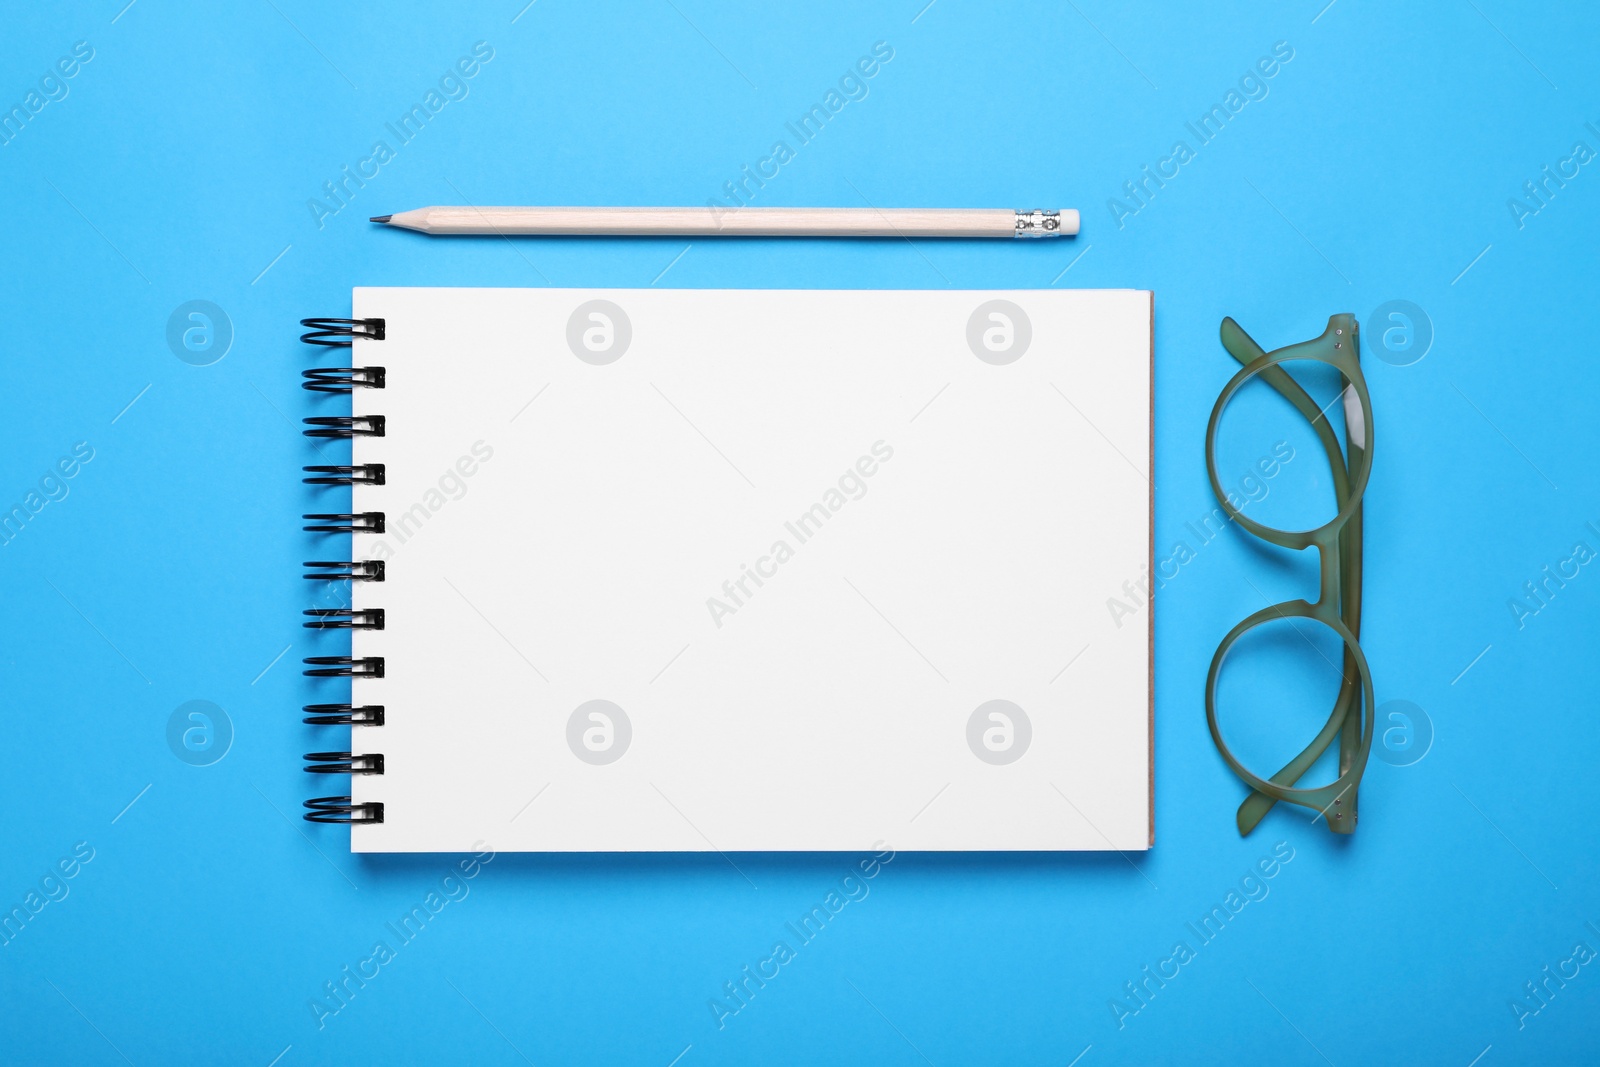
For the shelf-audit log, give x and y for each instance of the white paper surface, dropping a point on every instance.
(564, 529)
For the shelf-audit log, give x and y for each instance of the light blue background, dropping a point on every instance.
(1378, 167)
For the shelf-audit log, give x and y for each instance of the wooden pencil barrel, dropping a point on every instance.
(712, 222)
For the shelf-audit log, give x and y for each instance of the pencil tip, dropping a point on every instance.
(381, 218)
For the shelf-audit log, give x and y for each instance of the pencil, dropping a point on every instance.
(736, 222)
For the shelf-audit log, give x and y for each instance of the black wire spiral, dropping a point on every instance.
(343, 333)
(345, 522)
(364, 474)
(344, 426)
(339, 809)
(344, 619)
(344, 715)
(342, 379)
(343, 763)
(330, 570)
(340, 333)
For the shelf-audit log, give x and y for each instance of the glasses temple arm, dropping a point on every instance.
(1256, 805)
(1350, 552)
(1344, 719)
(1242, 347)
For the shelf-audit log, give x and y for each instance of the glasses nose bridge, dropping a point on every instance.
(1326, 609)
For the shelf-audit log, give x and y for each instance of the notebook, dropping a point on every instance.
(733, 570)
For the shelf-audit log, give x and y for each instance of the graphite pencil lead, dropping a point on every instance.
(380, 218)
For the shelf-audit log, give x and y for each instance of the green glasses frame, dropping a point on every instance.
(1338, 543)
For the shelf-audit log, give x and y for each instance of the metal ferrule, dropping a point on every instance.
(1038, 223)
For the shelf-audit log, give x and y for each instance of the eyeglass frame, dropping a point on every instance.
(1339, 546)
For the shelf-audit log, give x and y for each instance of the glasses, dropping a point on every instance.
(1338, 543)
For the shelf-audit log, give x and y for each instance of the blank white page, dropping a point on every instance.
(683, 570)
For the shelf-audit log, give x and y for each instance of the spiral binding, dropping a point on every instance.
(343, 763)
(363, 474)
(345, 522)
(344, 715)
(342, 333)
(339, 809)
(344, 619)
(342, 379)
(345, 426)
(327, 570)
